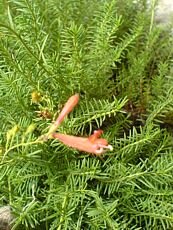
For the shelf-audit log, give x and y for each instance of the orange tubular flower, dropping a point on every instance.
(93, 144)
(68, 107)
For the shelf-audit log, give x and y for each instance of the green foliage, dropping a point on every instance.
(120, 63)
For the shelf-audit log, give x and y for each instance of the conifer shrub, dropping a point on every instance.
(117, 59)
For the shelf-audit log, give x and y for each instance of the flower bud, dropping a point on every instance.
(35, 97)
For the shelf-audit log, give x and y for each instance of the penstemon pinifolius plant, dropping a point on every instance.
(117, 59)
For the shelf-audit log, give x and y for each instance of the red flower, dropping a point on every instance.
(92, 144)
(68, 107)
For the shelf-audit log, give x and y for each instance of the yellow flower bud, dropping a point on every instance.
(15, 129)
(12, 132)
(30, 128)
(35, 97)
